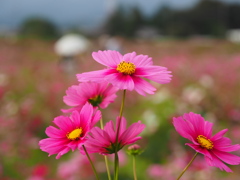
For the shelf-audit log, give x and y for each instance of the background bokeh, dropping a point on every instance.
(199, 41)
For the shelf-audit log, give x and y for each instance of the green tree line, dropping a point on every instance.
(208, 17)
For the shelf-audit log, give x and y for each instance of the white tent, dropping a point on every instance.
(71, 45)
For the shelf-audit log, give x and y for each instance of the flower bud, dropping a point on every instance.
(134, 150)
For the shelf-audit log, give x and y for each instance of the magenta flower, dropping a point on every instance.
(214, 148)
(71, 133)
(127, 71)
(103, 141)
(97, 94)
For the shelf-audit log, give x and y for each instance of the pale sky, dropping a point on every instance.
(72, 12)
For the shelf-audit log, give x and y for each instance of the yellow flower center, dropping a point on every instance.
(75, 134)
(204, 142)
(126, 68)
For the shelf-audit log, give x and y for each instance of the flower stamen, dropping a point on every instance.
(204, 142)
(126, 68)
(75, 134)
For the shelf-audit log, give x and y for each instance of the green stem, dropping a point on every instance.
(123, 102)
(116, 159)
(94, 170)
(101, 123)
(120, 116)
(105, 157)
(116, 166)
(134, 168)
(187, 166)
(108, 171)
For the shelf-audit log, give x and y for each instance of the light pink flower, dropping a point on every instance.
(127, 71)
(40, 170)
(122, 156)
(97, 94)
(157, 171)
(72, 132)
(74, 167)
(103, 141)
(36, 178)
(214, 148)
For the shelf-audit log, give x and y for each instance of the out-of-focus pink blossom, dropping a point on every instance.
(193, 95)
(40, 170)
(122, 157)
(36, 178)
(235, 115)
(157, 171)
(77, 166)
(235, 132)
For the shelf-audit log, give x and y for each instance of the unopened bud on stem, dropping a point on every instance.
(134, 150)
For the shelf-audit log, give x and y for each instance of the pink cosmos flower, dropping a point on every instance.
(103, 141)
(127, 71)
(214, 148)
(97, 94)
(72, 132)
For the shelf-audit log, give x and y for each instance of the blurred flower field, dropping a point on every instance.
(206, 80)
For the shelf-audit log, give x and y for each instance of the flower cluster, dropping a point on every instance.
(97, 89)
